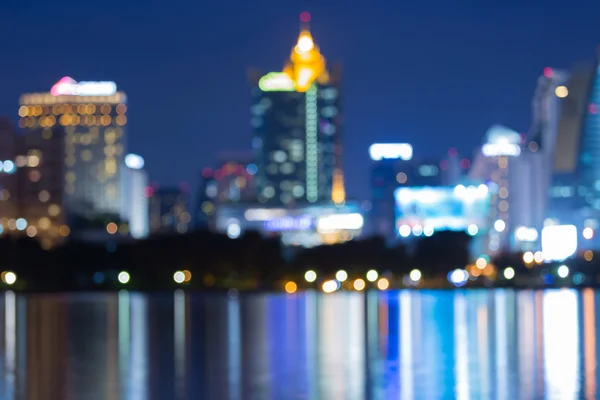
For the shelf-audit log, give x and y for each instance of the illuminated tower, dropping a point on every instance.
(93, 117)
(297, 123)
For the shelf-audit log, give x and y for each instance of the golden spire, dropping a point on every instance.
(338, 194)
(306, 62)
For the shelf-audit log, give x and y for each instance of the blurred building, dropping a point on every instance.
(233, 181)
(297, 128)
(494, 165)
(169, 210)
(575, 191)
(8, 181)
(134, 197)
(393, 166)
(40, 193)
(306, 226)
(92, 118)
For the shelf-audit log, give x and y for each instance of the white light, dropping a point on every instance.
(499, 225)
(134, 161)
(179, 277)
(417, 230)
(559, 242)
(472, 229)
(459, 276)
(404, 231)
(123, 277)
(500, 149)
(233, 231)
(305, 44)
(588, 233)
(69, 87)
(330, 286)
(563, 271)
(415, 275)
(10, 278)
(8, 166)
(391, 151)
(372, 275)
(336, 222)
(538, 257)
(525, 234)
(509, 273)
(482, 190)
(428, 230)
(310, 276)
(341, 275)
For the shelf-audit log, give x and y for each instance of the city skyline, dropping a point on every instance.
(482, 67)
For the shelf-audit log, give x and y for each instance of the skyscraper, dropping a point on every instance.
(297, 126)
(169, 211)
(134, 197)
(93, 118)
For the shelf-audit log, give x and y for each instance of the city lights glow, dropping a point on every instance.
(390, 151)
(499, 225)
(179, 277)
(69, 87)
(372, 275)
(588, 233)
(123, 277)
(415, 275)
(563, 271)
(359, 284)
(10, 278)
(291, 287)
(330, 286)
(525, 234)
(500, 149)
(383, 284)
(310, 276)
(341, 275)
(472, 229)
(134, 161)
(277, 82)
(528, 257)
(559, 242)
(561, 92)
(336, 222)
(509, 273)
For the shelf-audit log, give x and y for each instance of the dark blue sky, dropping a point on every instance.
(435, 73)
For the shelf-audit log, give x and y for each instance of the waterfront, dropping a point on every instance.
(499, 344)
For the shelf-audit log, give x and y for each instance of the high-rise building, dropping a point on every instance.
(169, 210)
(134, 197)
(297, 126)
(233, 181)
(575, 191)
(92, 116)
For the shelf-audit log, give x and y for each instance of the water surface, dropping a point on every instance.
(479, 344)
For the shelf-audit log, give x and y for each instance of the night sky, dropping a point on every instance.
(432, 73)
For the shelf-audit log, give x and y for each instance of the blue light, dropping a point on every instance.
(8, 166)
(21, 224)
(252, 169)
(98, 278)
(1, 229)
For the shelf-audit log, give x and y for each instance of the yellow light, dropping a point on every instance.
(383, 284)
(10, 278)
(123, 277)
(291, 287)
(310, 276)
(179, 277)
(330, 286)
(415, 275)
(528, 257)
(561, 92)
(509, 273)
(112, 228)
(588, 255)
(187, 274)
(359, 284)
(372, 275)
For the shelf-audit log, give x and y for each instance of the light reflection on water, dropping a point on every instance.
(497, 344)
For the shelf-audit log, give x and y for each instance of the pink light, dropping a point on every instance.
(593, 108)
(548, 72)
(452, 152)
(305, 16)
(149, 191)
(444, 165)
(184, 186)
(57, 89)
(207, 172)
(465, 163)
